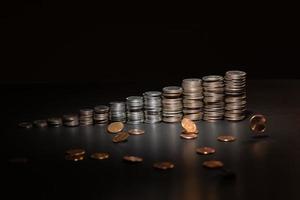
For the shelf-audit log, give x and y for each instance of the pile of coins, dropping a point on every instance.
(172, 104)
(101, 114)
(117, 111)
(192, 99)
(152, 106)
(54, 122)
(86, 117)
(135, 114)
(213, 98)
(235, 99)
(71, 120)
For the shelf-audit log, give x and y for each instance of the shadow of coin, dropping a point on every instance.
(258, 136)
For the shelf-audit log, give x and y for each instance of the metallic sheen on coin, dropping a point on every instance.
(75, 152)
(163, 165)
(226, 138)
(74, 158)
(188, 136)
(188, 125)
(136, 131)
(100, 155)
(258, 123)
(120, 137)
(205, 150)
(133, 159)
(115, 127)
(213, 164)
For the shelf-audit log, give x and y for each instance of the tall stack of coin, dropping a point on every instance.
(172, 104)
(213, 87)
(86, 117)
(117, 111)
(101, 114)
(71, 120)
(192, 98)
(235, 99)
(135, 114)
(152, 105)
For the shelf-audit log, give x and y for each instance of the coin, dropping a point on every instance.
(74, 157)
(54, 121)
(40, 123)
(136, 131)
(189, 136)
(163, 165)
(205, 150)
(133, 159)
(25, 125)
(120, 137)
(188, 125)
(226, 138)
(117, 111)
(115, 127)
(100, 155)
(213, 164)
(184, 132)
(258, 123)
(86, 117)
(75, 152)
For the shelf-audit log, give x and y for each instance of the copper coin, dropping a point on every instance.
(163, 165)
(205, 150)
(74, 158)
(213, 164)
(120, 137)
(258, 123)
(226, 138)
(184, 132)
(25, 125)
(75, 152)
(188, 125)
(115, 127)
(136, 131)
(189, 136)
(100, 155)
(133, 159)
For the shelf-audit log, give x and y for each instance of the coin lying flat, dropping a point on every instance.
(226, 138)
(133, 159)
(213, 164)
(74, 158)
(205, 150)
(188, 136)
(115, 127)
(100, 155)
(75, 152)
(163, 165)
(120, 137)
(25, 125)
(188, 125)
(258, 123)
(136, 131)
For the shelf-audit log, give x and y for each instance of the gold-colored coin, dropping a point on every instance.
(133, 159)
(120, 137)
(100, 155)
(136, 131)
(213, 164)
(115, 127)
(205, 150)
(163, 165)
(226, 138)
(258, 123)
(75, 152)
(188, 125)
(189, 136)
(184, 132)
(74, 158)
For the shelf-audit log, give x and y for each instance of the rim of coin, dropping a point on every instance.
(188, 125)
(133, 159)
(189, 136)
(115, 127)
(75, 152)
(26, 125)
(165, 165)
(120, 137)
(136, 131)
(226, 138)
(184, 132)
(74, 157)
(258, 123)
(205, 150)
(213, 164)
(99, 155)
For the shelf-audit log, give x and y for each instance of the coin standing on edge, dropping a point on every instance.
(100, 155)
(133, 159)
(213, 164)
(163, 165)
(120, 137)
(188, 125)
(115, 127)
(226, 138)
(258, 123)
(205, 150)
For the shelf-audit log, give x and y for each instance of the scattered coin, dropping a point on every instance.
(100, 155)
(75, 152)
(115, 127)
(40, 123)
(258, 123)
(226, 138)
(213, 164)
(133, 159)
(189, 136)
(205, 150)
(136, 131)
(25, 125)
(120, 137)
(163, 165)
(74, 157)
(188, 125)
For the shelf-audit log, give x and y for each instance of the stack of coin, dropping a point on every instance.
(135, 114)
(86, 117)
(71, 120)
(192, 98)
(172, 104)
(152, 106)
(117, 111)
(235, 99)
(101, 114)
(54, 122)
(213, 87)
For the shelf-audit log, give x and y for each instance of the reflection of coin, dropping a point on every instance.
(136, 131)
(189, 136)
(100, 155)
(188, 125)
(163, 165)
(205, 150)
(115, 127)
(213, 164)
(120, 137)
(226, 138)
(258, 123)
(133, 159)
(75, 152)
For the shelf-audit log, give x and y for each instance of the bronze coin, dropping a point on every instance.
(136, 131)
(74, 157)
(213, 164)
(189, 136)
(205, 150)
(133, 159)
(26, 125)
(258, 123)
(120, 137)
(188, 125)
(75, 152)
(163, 165)
(226, 138)
(115, 127)
(100, 156)
(184, 132)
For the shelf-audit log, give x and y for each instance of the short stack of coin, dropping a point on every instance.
(172, 104)
(71, 120)
(152, 106)
(101, 114)
(54, 122)
(213, 87)
(117, 111)
(235, 99)
(86, 117)
(192, 99)
(135, 114)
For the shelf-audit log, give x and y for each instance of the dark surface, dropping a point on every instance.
(258, 168)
